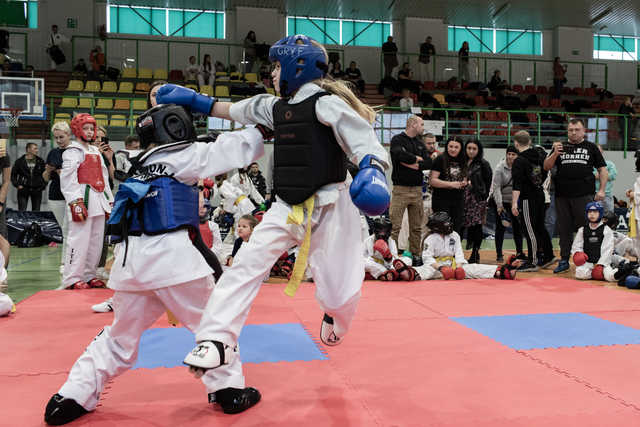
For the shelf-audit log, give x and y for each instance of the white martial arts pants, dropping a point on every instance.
(6, 304)
(583, 272)
(84, 247)
(115, 349)
(60, 209)
(472, 271)
(425, 72)
(374, 268)
(335, 260)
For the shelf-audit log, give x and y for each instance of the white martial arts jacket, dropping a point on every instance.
(244, 183)
(169, 259)
(370, 253)
(443, 250)
(72, 157)
(606, 248)
(355, 136)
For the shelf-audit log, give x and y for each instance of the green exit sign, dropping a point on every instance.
(72, 23)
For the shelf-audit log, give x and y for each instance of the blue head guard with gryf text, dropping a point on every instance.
(300, 60)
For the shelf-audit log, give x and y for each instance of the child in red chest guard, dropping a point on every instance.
(84, 182)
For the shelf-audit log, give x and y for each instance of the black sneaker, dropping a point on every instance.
(528, 266)
(546, 262)
(61, 410)
(235, 400)
(500, 258)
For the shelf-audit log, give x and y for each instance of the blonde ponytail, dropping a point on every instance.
(344, 91)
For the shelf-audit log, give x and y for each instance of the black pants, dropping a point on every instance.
(474, 235)
(532, 214)
(455, 209)
(515, 226)
(23, 199)
(569, 217)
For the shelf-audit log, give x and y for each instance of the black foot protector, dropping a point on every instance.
(235, 400)
(61, 410)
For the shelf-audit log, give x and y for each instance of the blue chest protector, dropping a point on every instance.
(157, 206)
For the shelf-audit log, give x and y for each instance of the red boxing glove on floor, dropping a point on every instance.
(382, 248)
(78, 210)
(580, 258)
(460, 274)
(598, 272)
(447, 272)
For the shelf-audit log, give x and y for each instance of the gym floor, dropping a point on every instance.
(543, 349)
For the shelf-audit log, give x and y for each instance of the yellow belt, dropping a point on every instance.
(632, 223)
(447, 260)
(296, 216)
(239, 199)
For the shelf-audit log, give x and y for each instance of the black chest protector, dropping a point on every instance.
(593, 241)
(306, 153)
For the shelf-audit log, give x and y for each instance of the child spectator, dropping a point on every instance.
(84, 184)
(443, 257)
(244, 228)
(379, 252)
(592, 247)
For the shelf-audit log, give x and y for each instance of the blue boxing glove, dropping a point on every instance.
(174, 94)
(369, 190)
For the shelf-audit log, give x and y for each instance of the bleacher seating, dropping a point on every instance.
(75, 86)
(142, 87)
(121, 104)
(206, 90)
(118, 120)
(222, 91)
(101, 119)
(145, 73)
(109, 87)
(85, 102)
(129, 73)
(69, 102)
(62, 117)
(92, 86)
(104, 104)
(160, 74)
(125, 87)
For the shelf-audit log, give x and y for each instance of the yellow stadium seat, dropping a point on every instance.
(251, 77)
(101, 119)
(92, 86)
(75, 86)
(145, 73)
(440, 98)
(118, 120)
(62, 117)
(109, 87)
(221, 73)
(271, 91)
(68, 102)
(132, 121)
(160, 74)
(192, 86)
(139, 104)
(105, 104)
(129, 73)
(121, 104)
(85, 102)
(142, 87)
(207, 90)
(125, 87)
(222, 91)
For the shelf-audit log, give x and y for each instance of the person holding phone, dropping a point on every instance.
(575, 183)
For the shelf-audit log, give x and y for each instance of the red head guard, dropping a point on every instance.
(78, 122)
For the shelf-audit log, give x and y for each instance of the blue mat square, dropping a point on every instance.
(284, 342)
(526, 332)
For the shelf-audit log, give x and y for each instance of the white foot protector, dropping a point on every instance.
(327, 336)
(209, 355)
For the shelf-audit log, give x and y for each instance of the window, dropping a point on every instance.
(491, 40)
(615, 47)
(165, 22)
(20, 13)
(340, 31)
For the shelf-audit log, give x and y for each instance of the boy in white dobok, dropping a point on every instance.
(592, 247)
(379, 252)
(443, 257)
(155, 212)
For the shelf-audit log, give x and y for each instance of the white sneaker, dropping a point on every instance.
(103, 307)
(102, 274)
(327, 336)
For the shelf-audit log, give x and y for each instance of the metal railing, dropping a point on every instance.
(524, 71)
(496, 127)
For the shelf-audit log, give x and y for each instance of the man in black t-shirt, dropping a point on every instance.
(574, 183)
(409, 158)
(426, 50)
(354, 75)
(390, 60)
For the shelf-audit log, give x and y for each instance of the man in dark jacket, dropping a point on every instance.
(528, 201)
(258, 179)
(26, 176)
(409, 157)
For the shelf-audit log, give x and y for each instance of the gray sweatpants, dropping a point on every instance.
(570, 216)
